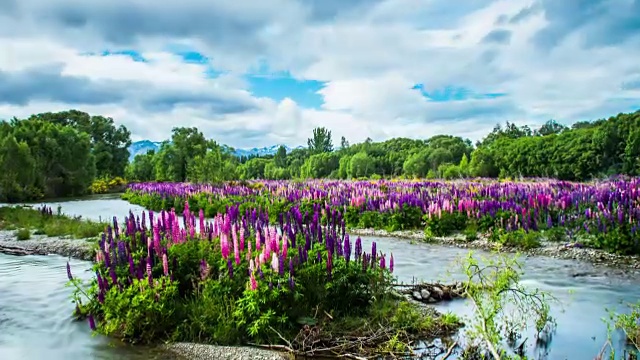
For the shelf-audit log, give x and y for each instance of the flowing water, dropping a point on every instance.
(35, 308)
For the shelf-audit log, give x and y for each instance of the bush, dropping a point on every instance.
(23, 234)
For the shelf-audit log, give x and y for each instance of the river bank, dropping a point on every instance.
(562, 250)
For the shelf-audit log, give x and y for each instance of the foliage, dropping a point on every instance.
(503, 309)
(44, 221)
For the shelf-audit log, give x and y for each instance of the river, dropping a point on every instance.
(35, 307)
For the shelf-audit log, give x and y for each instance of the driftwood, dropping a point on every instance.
(431, 293)
(18, 251)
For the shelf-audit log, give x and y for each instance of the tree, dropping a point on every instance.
(281, 157)
(344, 143)
(142, 167)
(109, 144)
(17, 167)
(361, 165)
(321, 141)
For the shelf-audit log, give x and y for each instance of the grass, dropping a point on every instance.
(30, 220)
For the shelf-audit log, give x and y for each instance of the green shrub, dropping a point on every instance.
(23, 234)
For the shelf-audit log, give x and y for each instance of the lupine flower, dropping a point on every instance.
(230, 268)
(253, 282)
(165, 264)
(69, 272)
(92, 323)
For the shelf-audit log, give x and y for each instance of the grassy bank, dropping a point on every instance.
(43, 221)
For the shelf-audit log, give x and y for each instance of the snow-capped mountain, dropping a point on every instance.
(267, 150)
(143, 146)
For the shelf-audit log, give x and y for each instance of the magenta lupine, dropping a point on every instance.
(391, 264)
(382, 262)
(253, 282)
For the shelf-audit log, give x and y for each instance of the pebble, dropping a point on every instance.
(214, 352)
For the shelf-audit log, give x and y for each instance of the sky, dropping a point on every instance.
(253, 73)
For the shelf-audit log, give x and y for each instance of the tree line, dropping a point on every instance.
(584, 151)
(59, 154)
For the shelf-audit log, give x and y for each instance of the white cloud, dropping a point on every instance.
(369, 53)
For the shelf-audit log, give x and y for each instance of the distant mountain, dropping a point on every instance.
(143, 146)
(267, 150)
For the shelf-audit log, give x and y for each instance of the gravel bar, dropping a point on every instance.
(83, 249)
(213, 352)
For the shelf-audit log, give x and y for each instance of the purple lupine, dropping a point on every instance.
(281, 265)
(347, 248)
(358, 253)
(92, 323)
(230, 268)
(69, 271)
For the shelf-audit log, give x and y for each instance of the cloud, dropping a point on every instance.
(48, 84)
(498, 36)
(257, 73)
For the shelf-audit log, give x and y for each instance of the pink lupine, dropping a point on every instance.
(254, 283)
(274, 262)
(284, 245)
(249, 250)
(224, 245)
(165, 264)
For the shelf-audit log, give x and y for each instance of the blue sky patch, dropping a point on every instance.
(453, 93)
(136, 56)
(278, 87)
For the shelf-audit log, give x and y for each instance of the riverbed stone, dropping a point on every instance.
(424, 294)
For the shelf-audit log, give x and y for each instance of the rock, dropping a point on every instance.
(416, 295)
(424, 293)
(431, 300)
(439, 294)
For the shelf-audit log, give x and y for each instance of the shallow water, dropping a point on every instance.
(35, 307)
(35, 315)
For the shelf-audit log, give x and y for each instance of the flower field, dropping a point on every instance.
(236, 279)
(603, 215)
